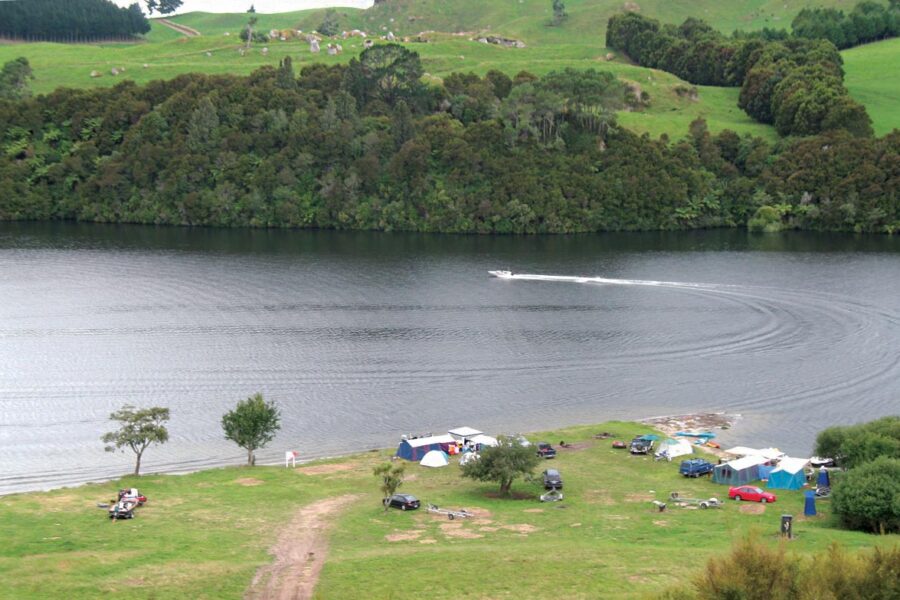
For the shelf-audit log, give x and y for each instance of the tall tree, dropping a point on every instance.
(138, 430)
(503, 463)
(386, 73)
(251, 23)
(14, 79)
(559, 12)
(252, 424)
(391, 479)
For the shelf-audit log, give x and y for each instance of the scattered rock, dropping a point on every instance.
(114, 71)
(368, 44)
(146, 66)
(209, 53)
(610, 56)
(96, 74)
(265, 51)
(314, 46)
(502, 41)
(631, 6)
(390, 36)
(227, 34)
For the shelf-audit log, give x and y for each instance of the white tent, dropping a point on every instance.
(468, 457)
(484, 440)
(767, 453)
(675, 448)
(460, 433)
(435, 458)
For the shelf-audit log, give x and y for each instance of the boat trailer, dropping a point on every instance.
(451, 514)
(677, 499)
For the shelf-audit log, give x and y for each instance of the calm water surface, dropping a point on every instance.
(361, 337)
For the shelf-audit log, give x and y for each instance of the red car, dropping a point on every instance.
(751, 493)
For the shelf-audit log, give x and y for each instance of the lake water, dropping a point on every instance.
(361, 337)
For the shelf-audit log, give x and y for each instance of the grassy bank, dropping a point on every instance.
(873, 78)
(204, 535)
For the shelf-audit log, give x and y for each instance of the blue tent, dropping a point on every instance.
(790, 474)
(416, 449)
(738, 472)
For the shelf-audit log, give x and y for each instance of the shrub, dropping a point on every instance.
(868, 497)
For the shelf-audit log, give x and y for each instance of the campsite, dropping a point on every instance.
(606, 529)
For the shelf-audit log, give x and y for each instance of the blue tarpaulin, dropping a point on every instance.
(809, 509)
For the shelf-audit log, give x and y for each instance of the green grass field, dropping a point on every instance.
(579, 43)
(873, 78)
(204, 535)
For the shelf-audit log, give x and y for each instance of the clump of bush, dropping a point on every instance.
(868, 497)
(757, 571)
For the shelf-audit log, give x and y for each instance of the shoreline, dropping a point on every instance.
(666, 424)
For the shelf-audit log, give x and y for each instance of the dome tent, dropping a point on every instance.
(435, 458)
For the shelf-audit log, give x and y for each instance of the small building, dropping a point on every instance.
(789, 475)
(738, 472)
(416, 449)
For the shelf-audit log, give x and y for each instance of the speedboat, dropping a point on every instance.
(501, 274)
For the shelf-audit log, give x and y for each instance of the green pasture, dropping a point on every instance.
(204, 535)
(873, 78)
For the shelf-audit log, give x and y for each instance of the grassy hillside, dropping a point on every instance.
(204, 535)
(873, 78)
(578, 43)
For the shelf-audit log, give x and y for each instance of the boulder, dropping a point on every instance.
(96, 74)
(368, 44)
(114, 71)
(314, 46)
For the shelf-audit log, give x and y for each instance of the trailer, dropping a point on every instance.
(451, 514)
(704, 503)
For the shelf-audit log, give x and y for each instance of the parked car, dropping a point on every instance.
(750, 493)
(545, 450)
(696, 467)
(639, 445)
(132, 494)
(402, 501)
(552, 480)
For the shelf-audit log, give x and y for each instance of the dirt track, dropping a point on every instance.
(182, 29)
(299, 554)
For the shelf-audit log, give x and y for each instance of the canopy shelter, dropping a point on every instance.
(435, 458)
(789, 475)
(462, 433)
(767, 453)
(483, 440)
(675, 448)
(738, 472)
(417, 448)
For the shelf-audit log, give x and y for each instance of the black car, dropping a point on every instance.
(545, 450)
(402, 501)
(639, 445)
(552, 480)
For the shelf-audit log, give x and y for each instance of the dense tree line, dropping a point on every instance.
(70, 20)
(794, 83)
(369, 146)
(867, 22)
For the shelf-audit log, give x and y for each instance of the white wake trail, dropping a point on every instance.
(602, 280)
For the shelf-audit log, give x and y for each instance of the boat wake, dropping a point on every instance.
(603, 280)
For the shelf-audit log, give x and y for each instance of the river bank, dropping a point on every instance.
(207, 534)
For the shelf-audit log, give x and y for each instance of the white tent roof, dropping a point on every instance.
(435, 458)
(747, 461)
(464, 432)
(767, 453)
(792, 465)
(485, 440)
(427, 441)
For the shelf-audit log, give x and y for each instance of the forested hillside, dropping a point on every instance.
(369, 146)
(70, 20)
